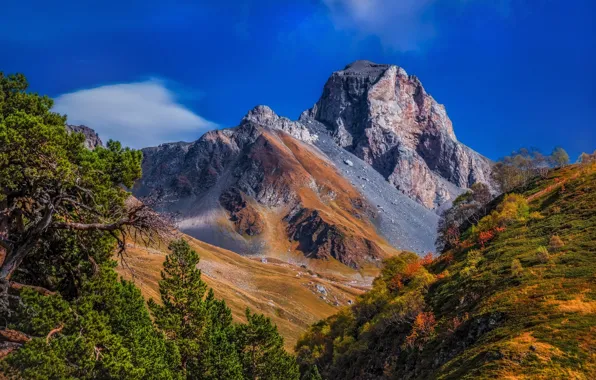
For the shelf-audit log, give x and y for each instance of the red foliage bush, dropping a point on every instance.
(447, 258)
(427, 259)
(401, 279)
(485, 236)
(456, 322)
(423, 330)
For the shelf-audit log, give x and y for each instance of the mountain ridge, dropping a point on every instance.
(227, 184)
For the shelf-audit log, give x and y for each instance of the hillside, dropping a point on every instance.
(516, 298)
(292, 296)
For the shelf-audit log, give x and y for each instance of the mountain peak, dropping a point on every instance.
(260, 114)
(385, 117)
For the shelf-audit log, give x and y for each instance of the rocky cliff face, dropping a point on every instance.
(384, 116)
(262, 186)
(92, 139)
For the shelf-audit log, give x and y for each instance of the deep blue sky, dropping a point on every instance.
(511, 73)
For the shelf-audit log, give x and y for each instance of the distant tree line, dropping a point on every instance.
(587, 158)
(507, 174)
(521, 166)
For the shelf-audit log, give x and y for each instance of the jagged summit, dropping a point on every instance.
(266, 117)
(385, 117)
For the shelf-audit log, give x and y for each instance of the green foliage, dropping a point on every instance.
(182, 315)
(105, 333)
(312, 373)
(467, 209)
(347, 344)
(516, 268)
(93, 326)
(261, 350)
(62, 209)
(48, 180)
(499, 313)
(513, 208)
(201, 328)
(199, 325)
(542, 255)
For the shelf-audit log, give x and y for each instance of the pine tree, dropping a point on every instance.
(201, 327)
(219, 358)
(182, 314)
(312, 373)
(261, 350)
(62, 209)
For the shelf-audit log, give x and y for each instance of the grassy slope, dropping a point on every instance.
(550, 310)
(284, 292)
(490, 322)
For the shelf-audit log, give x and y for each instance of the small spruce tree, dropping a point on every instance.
(261, 350)
(199, 325)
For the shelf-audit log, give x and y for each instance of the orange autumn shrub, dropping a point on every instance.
(423, 330)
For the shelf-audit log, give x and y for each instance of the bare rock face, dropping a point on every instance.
(385, 117)
(318, 238)
(263, 115)
(92, 139)
(261, 171)
(244, 216)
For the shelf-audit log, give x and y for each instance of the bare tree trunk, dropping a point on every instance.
(15, 257)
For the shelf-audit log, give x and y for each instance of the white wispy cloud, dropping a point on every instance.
(400, 24)
(138, 114)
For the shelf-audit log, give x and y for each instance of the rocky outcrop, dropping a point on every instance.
(92, 139)
(362, 162)
(385, 117)
(244, 216)
(264, 116)
(317, 238)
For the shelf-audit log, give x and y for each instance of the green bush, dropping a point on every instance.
(542, 255)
